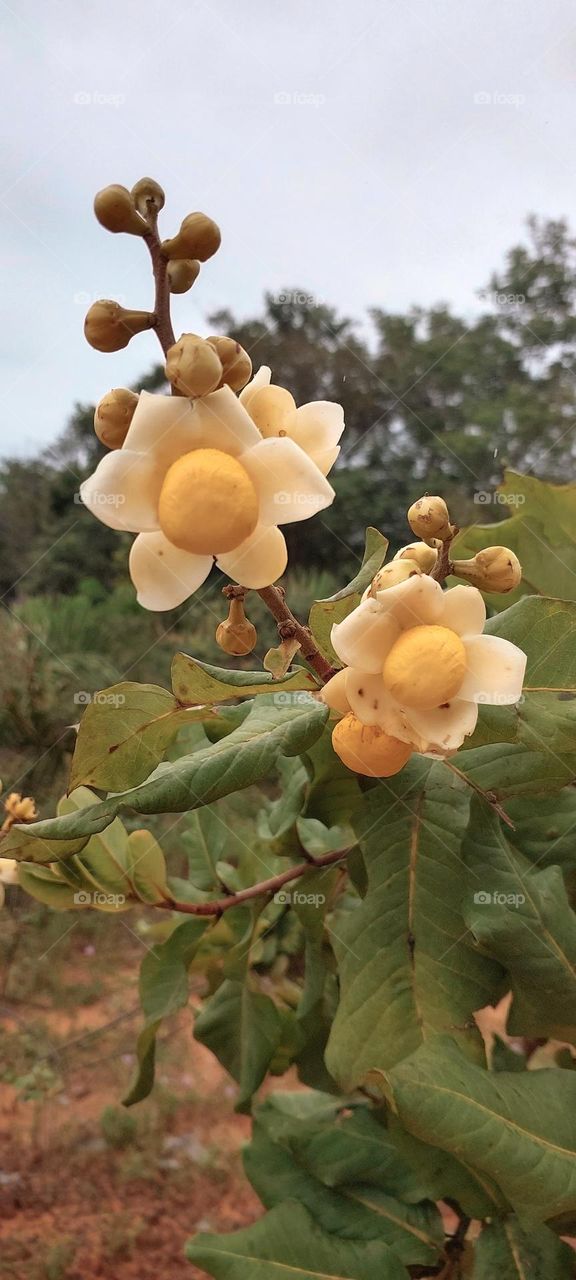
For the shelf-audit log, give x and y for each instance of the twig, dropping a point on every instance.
(289, 628)
(488, 796)
(443, 567)
(264, 887)
(163, 322)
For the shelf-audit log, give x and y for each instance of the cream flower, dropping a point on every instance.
(417, 664)
(316, 426)
(8, 875)
(198, 483)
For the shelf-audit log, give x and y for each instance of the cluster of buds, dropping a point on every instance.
(196, 366)
(236, 635)
(496, 569)
(108, 326)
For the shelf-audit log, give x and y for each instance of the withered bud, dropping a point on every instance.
(113, 415)
(494, 569)
(236, 363)
(199, 237)
(236, 635)
(148, 196)
(182, 273)
(424, 555)
(429, 518)
(116, 211)
(193, 367)
(109, 327)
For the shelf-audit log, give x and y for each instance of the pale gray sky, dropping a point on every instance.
(340, 144)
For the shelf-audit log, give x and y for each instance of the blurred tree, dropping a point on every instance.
(431, 402)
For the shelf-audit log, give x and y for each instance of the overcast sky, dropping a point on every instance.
(375, 152)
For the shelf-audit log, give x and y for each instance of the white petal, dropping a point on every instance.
(164, 575)
(8, 871)
(495, 672)
(317, 426)
(260, 379)
(373, 704)
(123, 491)
(222, 422)
(334, 693)
(259, 560)
(443, 729)
(161, 425)
(464, 611)
(288, 484)
(169, 426)
(365, 637)
(416, 601)
(325, 459)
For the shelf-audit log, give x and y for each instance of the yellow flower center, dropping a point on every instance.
(425, 667)
(366, 749)
(272, 409)
(208, 503)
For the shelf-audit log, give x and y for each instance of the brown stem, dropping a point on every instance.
(289, 627)
(163, 322)
(265, 887)
(443, 568)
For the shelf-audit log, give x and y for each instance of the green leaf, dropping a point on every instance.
(355, 1210)
(147, 867)
(543, 724)
(444, 1177)
(44, 886)
(542, 532)
(519, 1128)
(280, 815)
(406, 971)
(124, 733)
(317, 839)
(163, 990)
(287, 1245)
(243, 1028)
(324, 613)
(242, 758)
(198, 682)
(204, 840)
(544, 830)
(522, 917)
(334, 792)
(337, 1143)
(507, 1251)
(508, 771)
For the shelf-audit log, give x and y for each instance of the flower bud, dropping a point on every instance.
(199, 237)
(182, 273)
(367, 749)
(109, 327)
(113, 415)
(494, 569)
(429, 518)
(236, 363)
(116, 211)
(148, 196)
(236, 635)
(193, 367)
(424, 555)
(393, 573)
